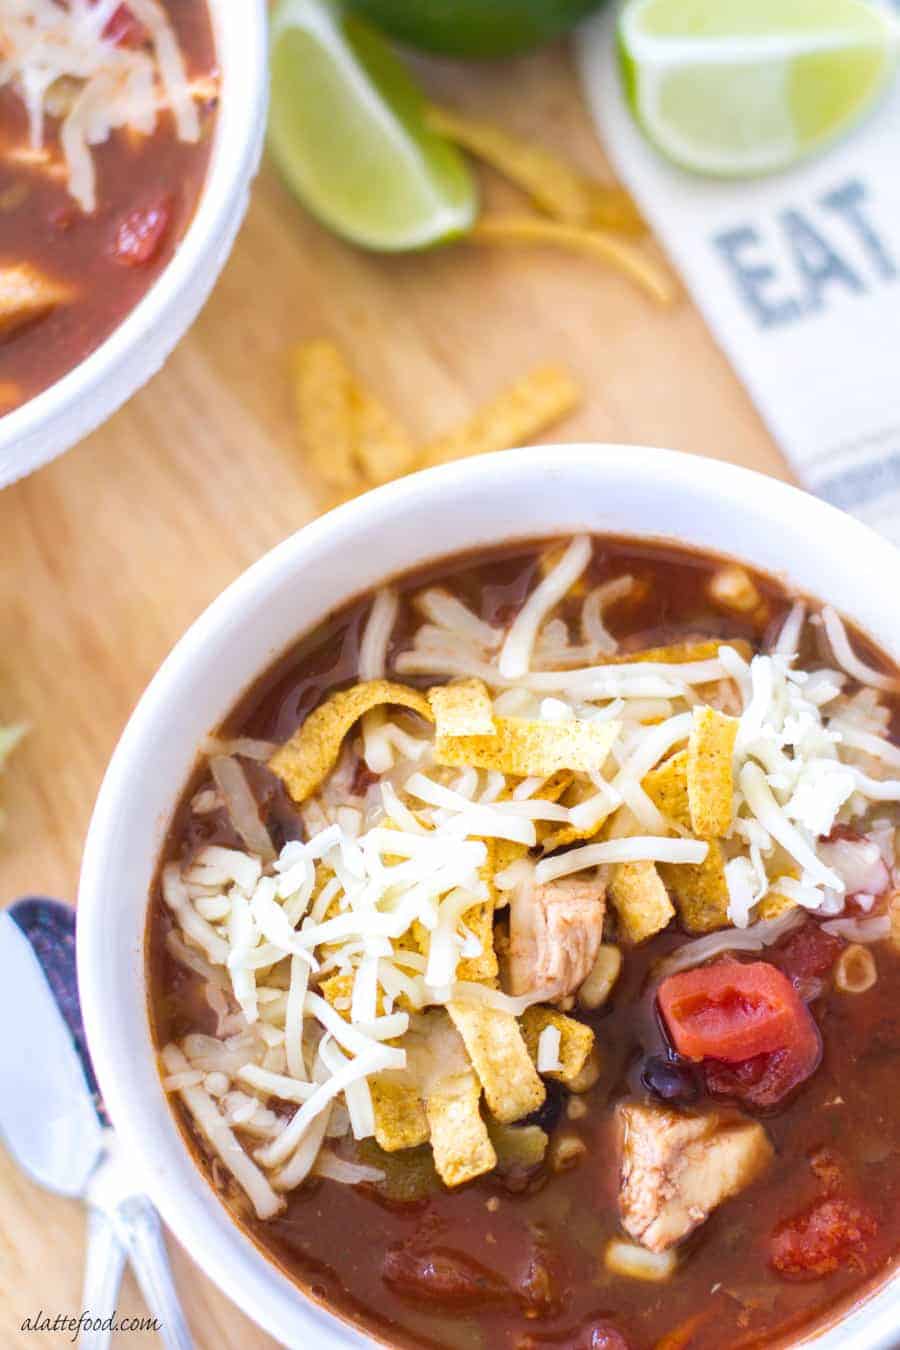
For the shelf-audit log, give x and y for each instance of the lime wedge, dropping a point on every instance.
(743, 87)
(347, 130)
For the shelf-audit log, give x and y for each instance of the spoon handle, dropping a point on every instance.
(140, 1230)
(104, 1263)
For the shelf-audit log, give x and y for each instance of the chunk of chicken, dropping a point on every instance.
(555, 933)
(676, 1168)
(27, 294)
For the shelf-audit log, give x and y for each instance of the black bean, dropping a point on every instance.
(550, 1111)
(670, 1080)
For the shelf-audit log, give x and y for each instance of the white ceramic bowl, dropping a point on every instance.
(528, 493)
(55, 419)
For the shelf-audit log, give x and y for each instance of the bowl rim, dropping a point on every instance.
(91, 391)
(226, 1255)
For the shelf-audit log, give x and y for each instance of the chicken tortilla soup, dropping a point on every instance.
(524, 961)
(106, 119)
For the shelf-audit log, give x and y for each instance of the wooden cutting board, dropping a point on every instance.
(108, 554)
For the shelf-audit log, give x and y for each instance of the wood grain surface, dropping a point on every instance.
(107, 555)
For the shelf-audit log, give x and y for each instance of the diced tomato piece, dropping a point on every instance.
(731, 1011)
(140, 234)
(821, 1238)
(363, 778)
(124, 29)
(809, 952)
(765, 1080)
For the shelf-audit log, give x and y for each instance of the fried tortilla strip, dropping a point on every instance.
(382, 445)
(338, 991)
(652, 278)
(554, 186)
(514, 417)
(699, 889)
(526, 747)
(27, 294)
(459, 1139)
(452, 1094)
(462, 708)
(500, 1058)
(710, 781)
(666, 786)
(773, 905)
(576, 1041)
(322, 389)
(640, 900)
(556, 786)
(396, 1104)
(400, 1119)
(480, 922)
(305, 761)
(551, 838)
(506, 852)
(612, 207)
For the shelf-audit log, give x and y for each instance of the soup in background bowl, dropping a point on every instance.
(521, 953)
(128, 136)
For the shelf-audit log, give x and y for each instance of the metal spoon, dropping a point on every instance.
(53, 1121)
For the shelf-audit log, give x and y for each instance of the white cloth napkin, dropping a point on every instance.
(798, 277)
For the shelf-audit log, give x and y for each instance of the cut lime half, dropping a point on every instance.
(744, 87)
(347, 131)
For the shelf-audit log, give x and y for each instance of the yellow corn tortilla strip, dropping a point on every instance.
(653, 278)
(480, 922)
(576, 1041)
(666, 786)
(383, 447)
(553, 185)
(338, 991)
(462, 708)
(499, 1055)
(526, 747)
(322, 384)
(555, 786)
(640, 900)
(773, 905)
(710, 781)
(699, 889)
(396, 1105)
(400, 1119)
(613, 208)
(459, 1138)
(506, 852)
(551, 839)
(514, 417)
(305, 761)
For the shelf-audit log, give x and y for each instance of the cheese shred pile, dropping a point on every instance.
(356, 977)
(64, 63)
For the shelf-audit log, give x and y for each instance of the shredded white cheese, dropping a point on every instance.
(44, 43)
(548, 1050)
